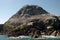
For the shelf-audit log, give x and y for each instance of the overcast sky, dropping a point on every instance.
(10, 7)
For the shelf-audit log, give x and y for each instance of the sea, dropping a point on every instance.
(5, 37)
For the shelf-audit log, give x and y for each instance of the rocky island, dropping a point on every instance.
(34, 21)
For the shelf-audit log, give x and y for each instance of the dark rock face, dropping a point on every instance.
(33, 21)
(1, 27)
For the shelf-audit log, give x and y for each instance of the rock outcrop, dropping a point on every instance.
(33, 21)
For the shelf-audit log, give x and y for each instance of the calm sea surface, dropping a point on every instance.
(4, 37)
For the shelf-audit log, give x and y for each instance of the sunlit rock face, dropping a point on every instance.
(59, 17)
(34, 21)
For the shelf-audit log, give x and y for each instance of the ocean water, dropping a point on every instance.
(4, 37)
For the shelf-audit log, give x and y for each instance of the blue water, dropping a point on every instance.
(4, 37)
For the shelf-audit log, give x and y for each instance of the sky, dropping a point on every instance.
(10, 7)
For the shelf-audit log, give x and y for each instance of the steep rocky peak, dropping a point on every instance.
(31, 10)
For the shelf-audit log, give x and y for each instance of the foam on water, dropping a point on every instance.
(29, 37)
(4, 37)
